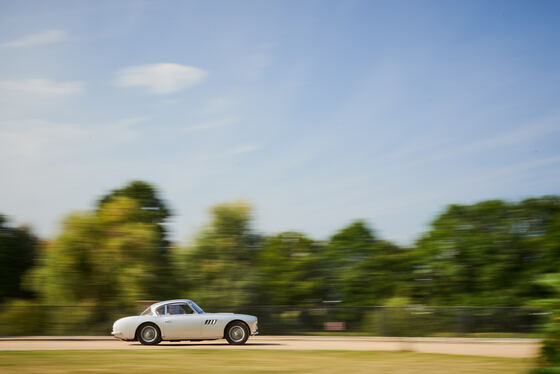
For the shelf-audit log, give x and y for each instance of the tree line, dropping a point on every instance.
(489, 253)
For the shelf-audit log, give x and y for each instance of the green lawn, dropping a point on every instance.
(250, 361)
(493, 335)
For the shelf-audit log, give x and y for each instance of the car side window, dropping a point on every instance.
(175, 309)
(160, 311)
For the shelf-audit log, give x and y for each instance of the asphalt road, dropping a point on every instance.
(519, 348)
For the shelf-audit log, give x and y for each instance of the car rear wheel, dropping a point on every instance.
(237, 333)
(149, 334)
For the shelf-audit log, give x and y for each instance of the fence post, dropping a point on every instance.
(383, 323)
(463, 323)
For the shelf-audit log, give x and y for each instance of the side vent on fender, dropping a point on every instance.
(210, 321)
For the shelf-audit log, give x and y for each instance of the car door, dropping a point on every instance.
(181, 322)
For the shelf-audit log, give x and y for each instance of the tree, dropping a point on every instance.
(18, 248)
(489, 253)
(364, 270)
(220, 262)
(550, 349)
(153, 209)
(103, 257)
(290, 269)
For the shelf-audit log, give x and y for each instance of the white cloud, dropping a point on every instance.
(161, 78)
(210, 125)
(245, 149)
(42, 87)
(43, 37)
(39, 142)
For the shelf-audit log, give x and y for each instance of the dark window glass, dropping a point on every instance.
(173, 309)
(160, 311)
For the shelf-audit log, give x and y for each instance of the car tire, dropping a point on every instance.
(148, 334)
(237, 333)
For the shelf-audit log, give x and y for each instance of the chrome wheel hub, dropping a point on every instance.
(149, 334)
(236, 333)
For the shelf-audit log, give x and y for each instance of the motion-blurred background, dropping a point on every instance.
(359, 167)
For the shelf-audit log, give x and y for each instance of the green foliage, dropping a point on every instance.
(18, 248)
(545, 370)
(364, 270)
(153, 211)
(22, 317)
(152, 208)
(220, 262)
(290, 270)
(488, 253)
(550, 350)
(103, 257)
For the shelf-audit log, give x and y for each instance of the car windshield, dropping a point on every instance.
(147, 311)
(196, 308)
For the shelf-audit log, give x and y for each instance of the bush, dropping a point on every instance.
(550, 351)
(22, 318)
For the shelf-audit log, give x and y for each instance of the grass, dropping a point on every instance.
(251, 361)
(496, 335)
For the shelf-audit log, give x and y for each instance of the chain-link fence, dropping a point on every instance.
(401, 321)
(371, 320)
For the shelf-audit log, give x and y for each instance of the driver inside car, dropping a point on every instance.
(175, 309)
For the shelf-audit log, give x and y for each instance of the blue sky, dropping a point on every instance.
(317, 112)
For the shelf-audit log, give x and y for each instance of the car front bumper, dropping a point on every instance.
(254, 327)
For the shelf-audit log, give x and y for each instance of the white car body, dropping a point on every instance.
(197, 325)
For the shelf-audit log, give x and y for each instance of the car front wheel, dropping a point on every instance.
(237, 333)
(149, 334)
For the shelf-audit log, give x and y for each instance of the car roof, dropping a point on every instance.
(157, 305)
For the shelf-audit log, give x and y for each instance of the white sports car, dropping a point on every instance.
(175, 320)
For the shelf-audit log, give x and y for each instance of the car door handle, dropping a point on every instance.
(168, 321)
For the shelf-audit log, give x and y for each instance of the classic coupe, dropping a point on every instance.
(182, 319)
